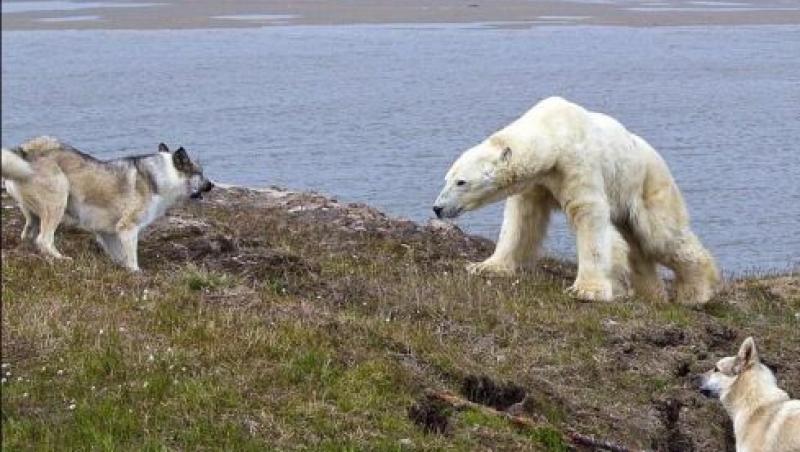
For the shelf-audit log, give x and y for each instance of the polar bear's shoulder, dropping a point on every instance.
(553, 106)
(554, 118)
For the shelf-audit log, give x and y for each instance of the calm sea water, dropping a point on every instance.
(377, 113)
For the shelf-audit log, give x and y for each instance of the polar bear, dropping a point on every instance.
(615, 189)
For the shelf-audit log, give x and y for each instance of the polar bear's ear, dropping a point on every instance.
(506, 155)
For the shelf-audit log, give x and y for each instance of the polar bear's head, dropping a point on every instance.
(481, 176)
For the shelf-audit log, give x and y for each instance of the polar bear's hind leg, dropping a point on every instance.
(646, 282)
(696, 274)
(663, 234)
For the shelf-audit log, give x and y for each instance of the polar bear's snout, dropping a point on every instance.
(447, 204)
(447, 212)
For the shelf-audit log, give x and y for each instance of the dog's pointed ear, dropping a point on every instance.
(162, 147)
(181, 159)
(747, 356)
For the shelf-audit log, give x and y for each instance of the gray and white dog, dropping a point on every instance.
(53, 183)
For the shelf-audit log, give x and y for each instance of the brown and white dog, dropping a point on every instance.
(764, 418)
(53, 183)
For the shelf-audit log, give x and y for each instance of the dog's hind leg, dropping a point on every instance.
(31, 228)
(48, 223)
(50, 205)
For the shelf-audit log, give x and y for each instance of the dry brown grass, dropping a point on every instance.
(291, 321)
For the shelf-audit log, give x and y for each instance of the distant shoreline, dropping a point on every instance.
(201, 14)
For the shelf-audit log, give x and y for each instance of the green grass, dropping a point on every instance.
(315, 336)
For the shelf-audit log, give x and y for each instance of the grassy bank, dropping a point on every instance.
(289, 321)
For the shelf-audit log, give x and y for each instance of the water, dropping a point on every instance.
(60, 5)
(378, 113)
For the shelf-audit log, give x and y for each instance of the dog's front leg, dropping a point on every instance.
(112, 246)
(129, 238)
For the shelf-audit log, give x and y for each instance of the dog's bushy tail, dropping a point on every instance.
(15, 167)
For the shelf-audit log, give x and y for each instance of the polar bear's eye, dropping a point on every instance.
(461, 182)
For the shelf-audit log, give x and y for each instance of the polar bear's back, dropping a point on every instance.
(631, 167)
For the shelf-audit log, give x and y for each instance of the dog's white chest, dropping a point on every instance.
(156, 208)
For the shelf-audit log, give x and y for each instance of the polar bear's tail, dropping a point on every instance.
(15, 167)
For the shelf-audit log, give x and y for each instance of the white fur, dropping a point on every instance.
(616, 191)
(14, 167)
(764, 417)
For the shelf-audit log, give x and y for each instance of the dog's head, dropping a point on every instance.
(189, 172)
(719, 381)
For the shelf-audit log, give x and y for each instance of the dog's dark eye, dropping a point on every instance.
(461, 182)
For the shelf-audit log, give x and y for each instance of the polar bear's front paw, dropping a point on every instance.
(591, 290)
(489, 268)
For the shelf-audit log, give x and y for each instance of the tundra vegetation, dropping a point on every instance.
(289, 321)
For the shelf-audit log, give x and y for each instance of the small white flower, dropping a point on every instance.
(101, 331)
(19, 378)
(60, 372)
(44, 368)
(4, 365)
(183, 369)
(8, 374)
(71, 406)
(3, 380)
(92, 388)
(145, 384)
(25, 395)
(151, 358)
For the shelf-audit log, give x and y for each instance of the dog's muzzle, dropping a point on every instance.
(699, 383)
(708, 393)
(205, 188)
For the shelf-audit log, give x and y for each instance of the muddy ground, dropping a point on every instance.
(617, 371)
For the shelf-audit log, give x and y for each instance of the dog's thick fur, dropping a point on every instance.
(764, 418)
(616, 190)
(54, 183)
